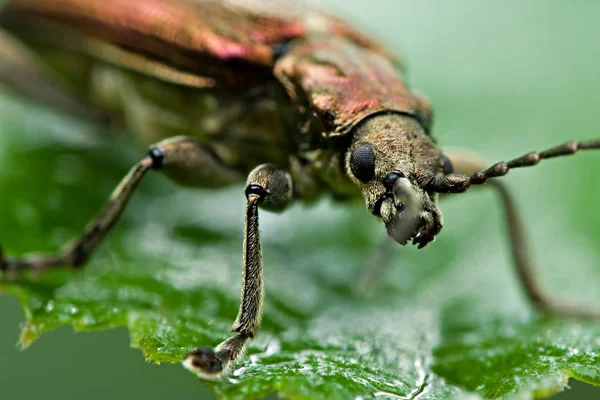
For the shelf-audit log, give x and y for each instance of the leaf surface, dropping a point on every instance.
(450, 321)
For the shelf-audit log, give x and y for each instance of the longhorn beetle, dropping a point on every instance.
(301, 104)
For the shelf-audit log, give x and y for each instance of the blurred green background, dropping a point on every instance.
(504, 77)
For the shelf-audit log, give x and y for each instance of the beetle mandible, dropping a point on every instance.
(300, 104)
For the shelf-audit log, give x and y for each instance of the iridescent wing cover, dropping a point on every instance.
(343, 83)
(331, 70)
(228, 42)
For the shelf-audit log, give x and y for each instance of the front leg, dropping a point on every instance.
(271, 188)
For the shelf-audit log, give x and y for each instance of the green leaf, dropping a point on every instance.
(450, 321)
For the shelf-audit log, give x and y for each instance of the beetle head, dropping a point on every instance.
(391, 159)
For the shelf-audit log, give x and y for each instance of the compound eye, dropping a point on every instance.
(362, 163)
(447, 165)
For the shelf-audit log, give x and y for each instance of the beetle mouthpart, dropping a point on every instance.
(421, 229)
(401, 210)
(428, 230)
(401, 223)
(408, 218)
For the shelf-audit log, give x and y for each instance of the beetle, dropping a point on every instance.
(298, 103)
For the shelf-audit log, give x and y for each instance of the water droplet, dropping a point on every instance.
(273, 347)
(88, 319)
(305, 367)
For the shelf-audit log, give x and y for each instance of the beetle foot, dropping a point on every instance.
(204, 362)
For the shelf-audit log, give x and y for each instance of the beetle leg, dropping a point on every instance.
(78, 252)
(270, 188)
(465, 163)
(182, 158)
